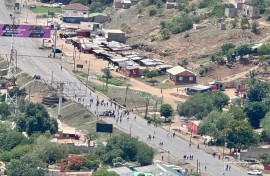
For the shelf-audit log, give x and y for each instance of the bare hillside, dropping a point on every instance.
(142, 28)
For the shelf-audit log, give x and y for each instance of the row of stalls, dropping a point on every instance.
(124, 59)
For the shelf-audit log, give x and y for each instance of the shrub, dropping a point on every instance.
(186, 35)
(152, 12)
(165, 34)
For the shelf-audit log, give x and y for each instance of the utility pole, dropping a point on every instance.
(126, 96)
(13, 52)
(52, 79)
(74, 58)
(26, 14)
(29, 93)
(130, 129)
(155, 122)
(107, 77)
(88, 70)
(60, 95)
(146, 107)
(55, 37)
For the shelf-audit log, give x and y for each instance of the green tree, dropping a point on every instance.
(240, 135)
(166, 110)
(257, 90)
(259, 3)
(264, 49)
(104, 172)
(243, 50)
(214, 123)
(244, 23)
(4, 110)
(145, 154)
(219, 99)
(265, 159)
(234, 23)
(36, 119)
(95, 7)
(255, 111)
(48, 151)
(237, 112)
(28, 165)
(225, 48)
(125, 147)
(265, 123)
(202, 103)
(106, 72)
(91, 161)
(92, 135)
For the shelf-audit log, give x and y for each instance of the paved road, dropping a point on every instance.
(44, 67)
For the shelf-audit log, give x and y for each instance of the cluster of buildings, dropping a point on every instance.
(241, 7)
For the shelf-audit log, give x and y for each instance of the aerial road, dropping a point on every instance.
(35, 61)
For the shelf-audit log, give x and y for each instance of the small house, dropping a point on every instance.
(98, 17)
(117, 4)
(74, 13)
(230, 12)
(180, 75)
(126, 4)
(130, 71)
(250, 11)
(114, 35)
(65, 132)
(91, 26)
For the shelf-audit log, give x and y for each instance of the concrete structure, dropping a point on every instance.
(230, 12)
(250, 11)
(114, 35)
(170, 5)
(91, 26)
(180, 75)
(238, 3)
(74, 13)
(126, 4)
(117, 4)
(64, 132)
(98, 17)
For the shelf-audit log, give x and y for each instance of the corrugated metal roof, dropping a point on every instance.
(76, 6)
(176, 70)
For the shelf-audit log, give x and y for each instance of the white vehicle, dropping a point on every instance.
(108, 67)
(63, 27)
(254, 172)
(56, 5)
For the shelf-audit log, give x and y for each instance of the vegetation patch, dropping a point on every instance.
(45, 9)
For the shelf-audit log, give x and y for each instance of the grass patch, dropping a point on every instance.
(77, 116)
(113, 81)
(160, 82)
(135, 99)
(45, 9)
(80, 73)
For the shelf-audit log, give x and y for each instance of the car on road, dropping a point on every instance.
(37, 77)
(254, 172)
